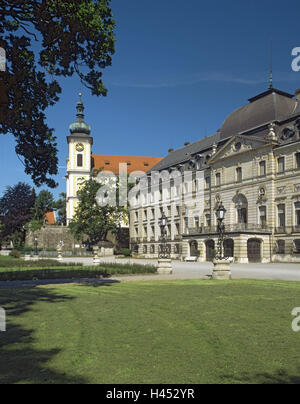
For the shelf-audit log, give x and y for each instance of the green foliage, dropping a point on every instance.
(126, 252)
(8, 262)
(93, 220)
(16, 211)
(75, 36)
(43, 203)
(34, 225)
(52, 270)
(61, 208)
(15, 254)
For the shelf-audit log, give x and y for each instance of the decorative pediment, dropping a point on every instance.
(237, 145)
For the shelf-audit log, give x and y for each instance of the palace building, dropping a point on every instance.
(252, 165)
(81, 162)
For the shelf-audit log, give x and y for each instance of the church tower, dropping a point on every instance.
(79, 163)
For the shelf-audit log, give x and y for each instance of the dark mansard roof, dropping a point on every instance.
(271, 106)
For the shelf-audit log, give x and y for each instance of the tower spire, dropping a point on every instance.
(80, 109)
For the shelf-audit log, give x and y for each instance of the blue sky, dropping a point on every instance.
(180, 68)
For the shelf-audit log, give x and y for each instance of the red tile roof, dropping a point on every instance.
(50, 218)
(134, 163)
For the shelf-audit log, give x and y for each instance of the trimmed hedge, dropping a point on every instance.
(9, 262)
(56, 272)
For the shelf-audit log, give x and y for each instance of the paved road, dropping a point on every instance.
(200, 270)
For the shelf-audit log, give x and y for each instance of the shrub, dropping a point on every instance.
(15, 254)
(72, 271)
(126, 252)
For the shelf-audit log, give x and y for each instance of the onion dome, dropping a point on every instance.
(80, 127)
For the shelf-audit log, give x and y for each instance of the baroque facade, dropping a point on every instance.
(252, 165)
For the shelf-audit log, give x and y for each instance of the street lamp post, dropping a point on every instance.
(164, 250)
(220, 213)
(35, 246)
(164, 261)
(221, 264)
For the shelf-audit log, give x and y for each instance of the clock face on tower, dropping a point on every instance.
(79, 147)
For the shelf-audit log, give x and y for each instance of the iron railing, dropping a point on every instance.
(229, 228)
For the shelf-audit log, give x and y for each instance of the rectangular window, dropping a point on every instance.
(297, 212)
(281, 247)
(281, 215)
(298, 160)
(263, 216)
(207, 182)
(208, 220)
(239, 174)
(218, 179)
(262, 168)
(169, 231)
(79, 160)
(280, 164)
(194, 185)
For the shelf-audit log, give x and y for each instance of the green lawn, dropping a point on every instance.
(194, 331)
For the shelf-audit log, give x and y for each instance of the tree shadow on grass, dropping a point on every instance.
(279, 377)
(96, 284)
(20, 362)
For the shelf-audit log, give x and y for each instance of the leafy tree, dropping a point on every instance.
(43, 203)
(73, 36)
(61, 208)
(15, 212)
(93, 221)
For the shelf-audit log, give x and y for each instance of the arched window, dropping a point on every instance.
(297, 246)
(241, 205)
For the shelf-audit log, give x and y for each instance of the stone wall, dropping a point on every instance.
(50, 235)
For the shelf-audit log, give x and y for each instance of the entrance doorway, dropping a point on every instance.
(210, 250)
(228, 248)
(193, 248)
(254, 250)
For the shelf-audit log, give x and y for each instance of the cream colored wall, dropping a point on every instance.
(74, 172)
(279, 188)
